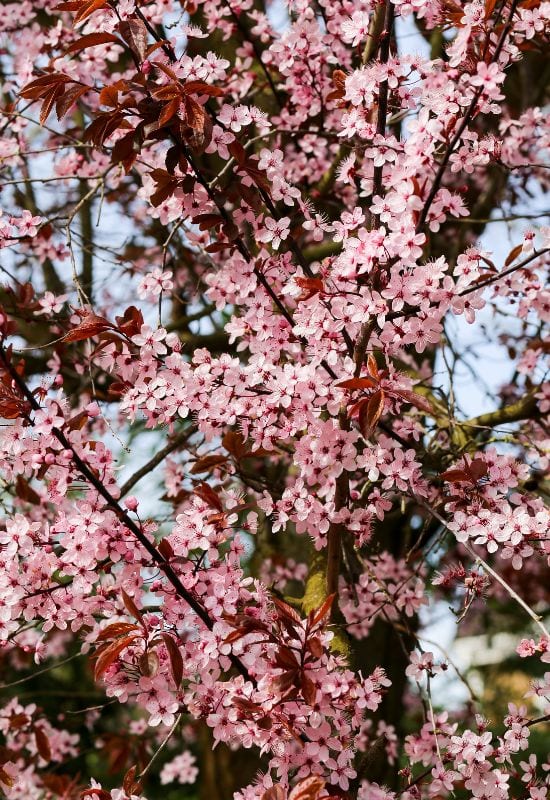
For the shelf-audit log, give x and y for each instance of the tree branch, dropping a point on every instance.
(180, 439)
(525, 408)
(91, 478)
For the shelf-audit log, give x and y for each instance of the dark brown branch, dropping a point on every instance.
(526, 408)
(87, 233)
(537, 720)
(461, 128)
(476, 287)
(245, 252)
(158, 458)
(383, 91)
(91, 478)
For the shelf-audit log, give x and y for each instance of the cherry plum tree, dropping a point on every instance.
(244, 246)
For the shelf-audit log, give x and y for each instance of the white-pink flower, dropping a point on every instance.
(274, 231)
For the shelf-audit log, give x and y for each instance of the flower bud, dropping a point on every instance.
(131, 503)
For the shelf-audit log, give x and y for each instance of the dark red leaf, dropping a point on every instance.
(134, 33)
(115, 630)
(49, 101)
(310, 286)
(357, 383)
(286, 611)
(168, 112)
(131, 607)
(513, 254)
(194, 114)
(111, 653)
(455, 476)
(70, 5)
(478, 469)
(207, 221)
(108, 96)
(43, 85)
(207, 463)
(165, 549)
(92, 40)
(130, 323)
(199, 87)
(129, 783)
(90, 326)
(234, 443)
(320, 614)
(414, 399)
(209, 496)
(176, 660)
(309, 690)
(68, 99)
(372, 366)
(370, 412)
(88, 8)
(285, 658)
(42, 744)
(237, 151)
(166, 189)
(25, 492)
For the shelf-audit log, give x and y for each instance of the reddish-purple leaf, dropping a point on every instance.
(370, 412)
(175, 657)
(309, 690)
(67, 100)
(42, 744)
(116, 629)
(92, 40)
(357, 383)
(90, 326)
(414, 399)
(285, 610)
(207, 463)
(111, 653)
(513, 254)
(134, 33)
(455, 476)
(131, 607)
(321, 613)
(478, 469)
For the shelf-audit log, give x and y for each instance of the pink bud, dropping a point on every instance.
(93, 410)
(131, 503)
(146, 67)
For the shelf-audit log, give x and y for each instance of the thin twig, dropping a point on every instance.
(160, 748)
(513, 594)
(40, 672)
(180, 439)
